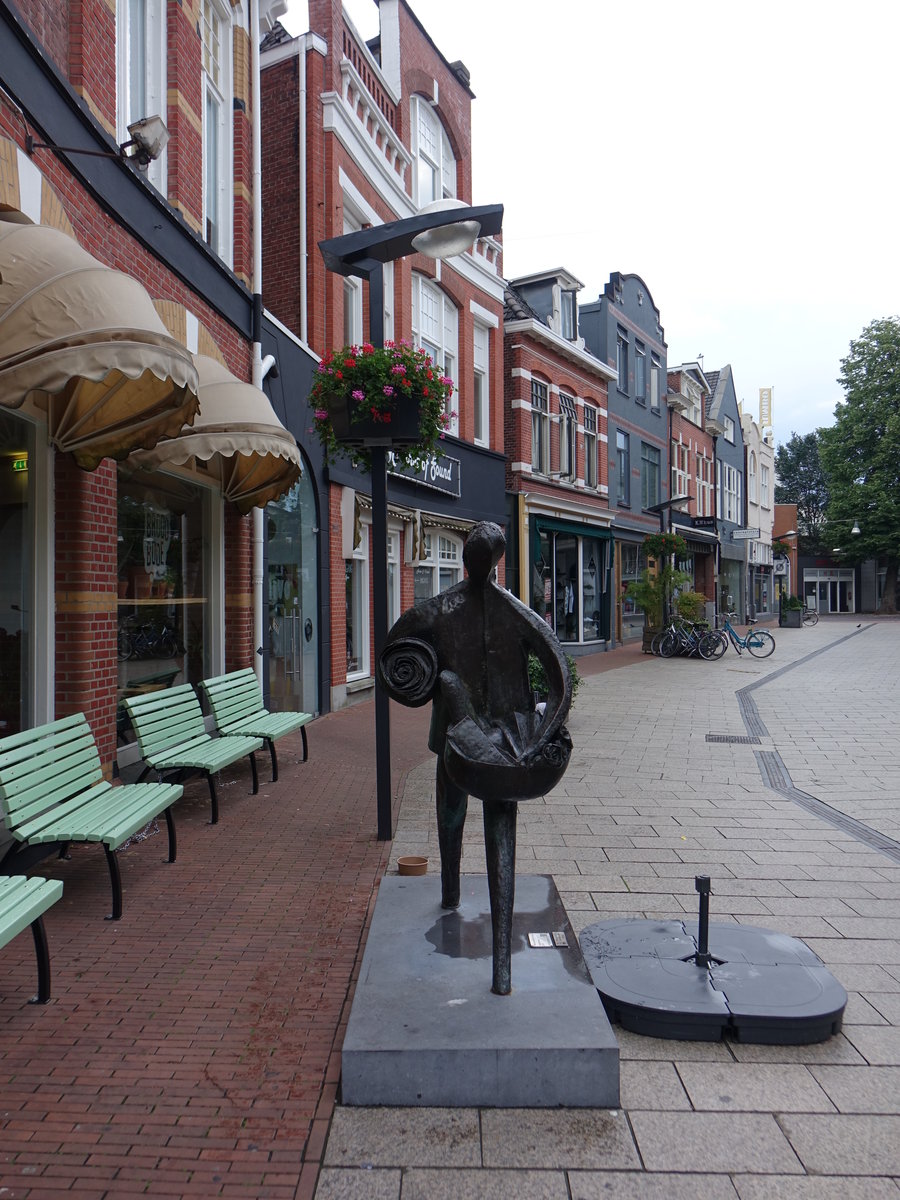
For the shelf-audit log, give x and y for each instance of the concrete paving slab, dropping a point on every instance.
(819, 1187)
(753, 1087)
(651, 1085)
(701, 1142)
(484, 1185)
(341, 1184)
(425, 1028)
(878, 1044)
(398, 1137)
(558, 1138)
(845, 1145)
(616, 1185)
(861, 1089)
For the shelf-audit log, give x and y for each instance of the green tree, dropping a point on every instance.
(800, 480)
(861, 454)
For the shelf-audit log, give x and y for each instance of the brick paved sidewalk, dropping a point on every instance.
(189, 1049)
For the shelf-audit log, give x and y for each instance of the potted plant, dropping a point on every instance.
(791, 612)
(537, 677)
(392, 395)
(654, 590)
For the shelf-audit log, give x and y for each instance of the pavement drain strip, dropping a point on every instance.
(776, 776)
(734, 739)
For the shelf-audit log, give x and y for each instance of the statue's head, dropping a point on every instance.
(483, 550)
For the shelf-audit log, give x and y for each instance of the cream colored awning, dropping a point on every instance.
(257, 457)
(86, 344)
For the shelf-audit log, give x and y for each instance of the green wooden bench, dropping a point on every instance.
(236, 703)
(172, 737)
(24, 902)
(52, 792)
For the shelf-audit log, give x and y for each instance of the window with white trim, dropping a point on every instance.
(731, 493)
(623, 467)
(435, 166)
(751, 477)
(481, 389)
(690, 389)
(568, 424)
(353, 296)
(681, 473)
(622, 361)
(590, 446)
(729, 429)
(141, 72)
(435, 326)
(356, 588)
(649, 475)
(393, 576)
(704, 486)
(764, 485)
(640, 373)
(215, 34)
(655, 373)
(442, 566)
(540, 427)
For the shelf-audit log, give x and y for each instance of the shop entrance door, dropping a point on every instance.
(293, 601)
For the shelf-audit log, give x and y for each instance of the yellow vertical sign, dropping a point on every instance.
(765, 407)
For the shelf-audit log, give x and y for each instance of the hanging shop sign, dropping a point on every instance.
(440, 473)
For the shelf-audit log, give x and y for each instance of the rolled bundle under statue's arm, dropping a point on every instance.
(408, 671)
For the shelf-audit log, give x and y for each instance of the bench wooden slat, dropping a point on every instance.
(52, 792)
(172, 736)
(236, 702)
(22, 901)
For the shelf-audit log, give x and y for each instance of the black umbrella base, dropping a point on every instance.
(759, 985)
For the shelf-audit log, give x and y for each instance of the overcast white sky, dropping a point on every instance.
(742, 159)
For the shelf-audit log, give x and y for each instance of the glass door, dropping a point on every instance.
(293, 607)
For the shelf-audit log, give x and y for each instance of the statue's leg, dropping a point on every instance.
(500, 851)
(451, 803)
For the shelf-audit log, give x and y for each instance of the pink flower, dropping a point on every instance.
(388, 391)
(321, 414)
(398, 370)
(358, 394)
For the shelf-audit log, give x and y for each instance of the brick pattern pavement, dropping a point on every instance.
(189, 1049)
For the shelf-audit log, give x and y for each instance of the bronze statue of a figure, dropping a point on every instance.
(467, 650)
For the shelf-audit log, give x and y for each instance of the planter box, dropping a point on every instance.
(401, 430)
(792, 618)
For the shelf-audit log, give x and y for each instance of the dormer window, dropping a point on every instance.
(568, 315)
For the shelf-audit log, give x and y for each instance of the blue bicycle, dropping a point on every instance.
(759, 642)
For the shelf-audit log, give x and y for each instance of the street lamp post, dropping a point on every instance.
(440, 230)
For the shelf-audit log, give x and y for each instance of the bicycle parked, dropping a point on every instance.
(146, 641)
(759, 642)
(680, 637)
(810, 616)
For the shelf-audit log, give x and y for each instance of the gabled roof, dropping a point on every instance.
(516, 308)
(712, 378)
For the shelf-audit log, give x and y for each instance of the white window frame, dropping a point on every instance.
(435, 328)
(443, 552)
(435, 166)
(353, 293)
(622, 361)
(705, 487)
(393, 574)
(141, 35)
(729, 429)
(640, 373)
(481, 395)
(568, 426)
(540, 426)
(751, 476)
(731, 493)
(764, 485)
(655, 373)
(681, 469)
(591, 473)
(360, 560)
(217, 88)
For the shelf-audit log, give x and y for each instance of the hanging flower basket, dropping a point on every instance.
(391, 396)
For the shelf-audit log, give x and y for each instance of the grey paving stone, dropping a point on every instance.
(835, 1050)
(819, 1187)
(886, 1003)
(614, 1185)
(719, 1142)
(389, 1137)
(557, 1139)
(651, 1085)
(845, 1145)
(344, 1184)
(753, 1087)
(859, 1011)
(878, 1044)
(861, 1089)
(483, 1185)
(636, 1046)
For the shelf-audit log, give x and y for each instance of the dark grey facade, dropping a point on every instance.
(623, 329)
(723, 420)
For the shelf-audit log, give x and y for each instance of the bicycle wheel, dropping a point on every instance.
(760, 642)
(810, 616)
(669, 644)
(124, 647)
(713, 645)
(654, 644)
(168, 647)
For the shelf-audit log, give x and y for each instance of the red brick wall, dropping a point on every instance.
(239, 648)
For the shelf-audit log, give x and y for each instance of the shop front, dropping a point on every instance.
(631, 562)
(571, 581)
(731, 580)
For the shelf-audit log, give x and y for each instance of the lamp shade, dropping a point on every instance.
(446, 240)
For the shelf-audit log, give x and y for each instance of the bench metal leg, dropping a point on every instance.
(255, 773)
(213, 799)
(43, 962)
(305, 743)
(64, 850)
(170, 825)
(270, 742)
(116, 880)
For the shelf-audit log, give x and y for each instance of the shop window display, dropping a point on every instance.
(164, 582)
(16, 586)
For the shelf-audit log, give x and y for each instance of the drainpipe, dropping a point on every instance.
(256, 362)
(304, 253)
